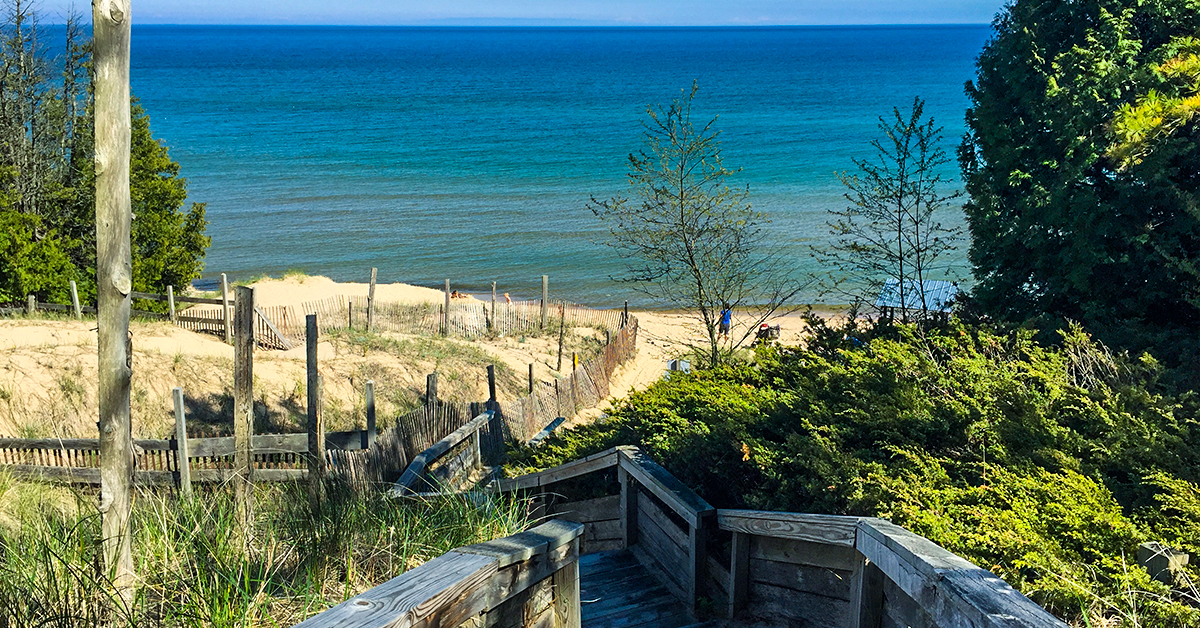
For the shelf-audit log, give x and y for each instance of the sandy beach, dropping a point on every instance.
(48, 369)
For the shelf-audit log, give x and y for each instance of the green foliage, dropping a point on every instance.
(890, 230)
(1059, 230)
(29, 264)
(46, 143)
(688, 239)
(1047, 465)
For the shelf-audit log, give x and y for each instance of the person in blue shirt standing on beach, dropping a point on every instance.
(726, 321)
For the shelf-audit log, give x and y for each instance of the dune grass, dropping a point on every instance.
(198, 568)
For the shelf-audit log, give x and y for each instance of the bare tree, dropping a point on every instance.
(890, 231)
(687, 238)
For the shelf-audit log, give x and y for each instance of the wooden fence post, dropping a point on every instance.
(182, 452)
(75, 300)
(171, 302)
(431, 394)
(531, 378)
(491, 372)
(492, 319)
(625, 315)
(243, 402)
(316, 431)
(225, 309)
(110, 62)
(371, 302)
(368, 440)
(446, 312)
(350, 313)
(31, 305)
(545, 298)
(562, 328)
(697, 561)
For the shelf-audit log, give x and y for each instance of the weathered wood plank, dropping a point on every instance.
(586, 510)
(442, 585)
(566, 593)
(739, 572)
(653, 566)
(683, 500)
(833, 583)
(866, 595)
(609, 530)
(828, 529)
(781, 606)
(416, 469)
(670, 558)
(803, 553)
(649, 512)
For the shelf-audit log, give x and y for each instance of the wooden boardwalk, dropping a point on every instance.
(615, 591)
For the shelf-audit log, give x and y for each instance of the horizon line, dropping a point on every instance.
(534, 23)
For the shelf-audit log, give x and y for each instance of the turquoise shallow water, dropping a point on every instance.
(470, 153)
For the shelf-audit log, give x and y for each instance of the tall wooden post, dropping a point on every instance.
(492, 320)
(171, 302)
(316, 431)
(446, 312)
(368, 440)
(114, 277)
(625, 315)
(531, 378)
(182, 452)
(225, 309)
(371, 302)
(431, 394)
(562, 328)
(545, 298)
(491, 371)
(31, 305)
(243, 401)
(75, 300)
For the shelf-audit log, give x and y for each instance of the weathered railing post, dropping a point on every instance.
(225, 311)
(739, 572)
(182, 453)
(567, 605)
(368, 439)
(114, 281)
(171, 302)
(75, 300)
(316, 431)
(629, 508)
(866, 595)
(31, 305)
(243, 402)
(531, 378)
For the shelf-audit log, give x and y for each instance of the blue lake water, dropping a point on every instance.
(471, 153)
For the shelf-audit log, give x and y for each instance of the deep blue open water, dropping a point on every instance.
(471, 153)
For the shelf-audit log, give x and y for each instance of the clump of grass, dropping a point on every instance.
(197, 567)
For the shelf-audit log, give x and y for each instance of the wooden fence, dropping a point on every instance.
(585, 387)
(766, 568)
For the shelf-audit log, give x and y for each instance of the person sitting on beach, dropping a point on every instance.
(507, 300)
(726, 321)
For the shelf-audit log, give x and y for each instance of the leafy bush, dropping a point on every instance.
(1048, 465)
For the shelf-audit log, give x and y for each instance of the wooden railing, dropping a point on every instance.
(780, 568)
(525, 580)
(451, 462)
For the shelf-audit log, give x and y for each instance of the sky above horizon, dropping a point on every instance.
(547, 12)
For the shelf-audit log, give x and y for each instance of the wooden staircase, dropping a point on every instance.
(616, 591)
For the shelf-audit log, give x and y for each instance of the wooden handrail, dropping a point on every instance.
(596, 462)
(675, 494)
(474, 581)
(824, 529)
(415, 472)
(198, 447)
(950, 588)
